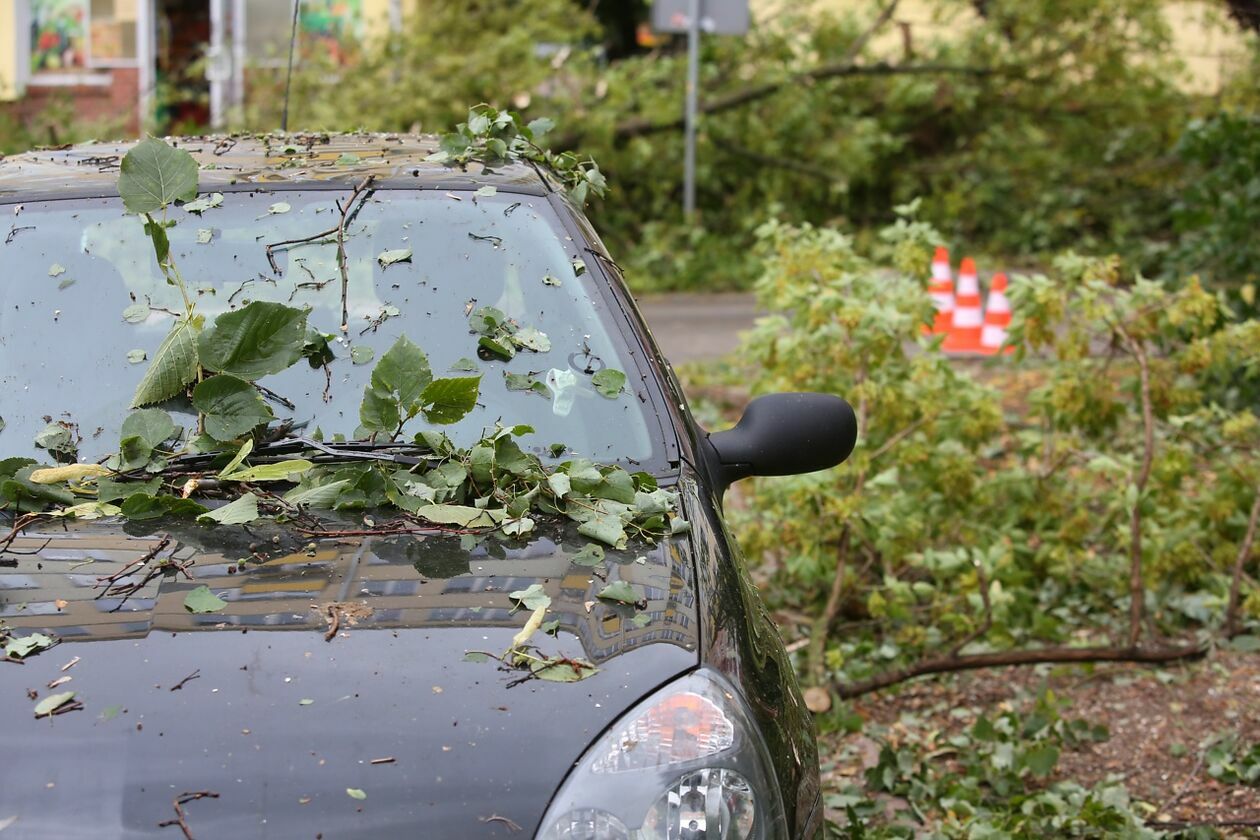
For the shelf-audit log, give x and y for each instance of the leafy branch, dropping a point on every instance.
(493, 138)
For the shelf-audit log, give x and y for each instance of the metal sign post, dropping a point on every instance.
(693, 87)
(718, 17)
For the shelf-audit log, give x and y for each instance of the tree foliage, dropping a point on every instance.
(1037, 126)
(1104, 493)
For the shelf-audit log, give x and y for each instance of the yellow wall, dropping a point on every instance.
(8, 51)
(376, 15)
(1207, 41)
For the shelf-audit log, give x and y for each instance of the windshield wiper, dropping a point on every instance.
(390, 452)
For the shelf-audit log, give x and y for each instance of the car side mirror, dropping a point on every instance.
(785, 434)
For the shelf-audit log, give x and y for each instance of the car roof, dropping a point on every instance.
(275, 159)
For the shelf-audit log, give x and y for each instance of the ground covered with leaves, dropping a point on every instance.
(1169, 736)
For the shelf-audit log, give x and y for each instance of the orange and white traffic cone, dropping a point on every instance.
(942, 291)
(997, 317)
(964, 332)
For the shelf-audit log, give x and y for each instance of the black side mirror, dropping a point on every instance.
(785, 434)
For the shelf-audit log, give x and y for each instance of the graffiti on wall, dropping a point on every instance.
(58, 35)
(330, 26)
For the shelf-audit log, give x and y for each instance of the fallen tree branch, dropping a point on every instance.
(343, 265)
(982, 583)
(778, 161)
(1244, 554)
(181, 818)
(643, 126)
(1009, 658)
(859, 43)
(1177, 825)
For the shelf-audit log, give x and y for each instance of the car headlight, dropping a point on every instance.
(685, 764)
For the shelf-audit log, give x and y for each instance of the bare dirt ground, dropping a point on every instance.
(1160, 722)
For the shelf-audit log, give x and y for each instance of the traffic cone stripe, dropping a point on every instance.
(997, 317)
(964, 334)
(941, 290)
(967, 317)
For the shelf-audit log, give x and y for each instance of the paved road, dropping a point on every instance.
(696, 327)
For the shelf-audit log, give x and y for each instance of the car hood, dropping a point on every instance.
(289, 722)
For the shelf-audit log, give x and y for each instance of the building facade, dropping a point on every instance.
(167, 60)
(184, 63)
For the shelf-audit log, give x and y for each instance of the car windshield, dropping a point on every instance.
(84, 304)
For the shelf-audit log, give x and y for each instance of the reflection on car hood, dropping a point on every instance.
(280, 724)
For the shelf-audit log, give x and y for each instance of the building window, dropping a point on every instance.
(58, 36)
(69, 38)
(325, 27)
(112, 33)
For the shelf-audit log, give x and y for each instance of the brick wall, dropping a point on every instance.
(114, 107)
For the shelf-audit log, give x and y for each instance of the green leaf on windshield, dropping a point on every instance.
(231, 406)
(260, 339)
(446, 401)
(23, 646)
(142, 505)
(609, 382)
(109, 490)
(398, 383)
(174, 365)
(137, 313)
(461, 515)
(318, 496)
(204, 203)
(202, 600)
(238, 512)
(282, 471)
(355, 793)
(487, 320)
(57, 437)
(153, 175)
(532, 339)
(397, 255)
(361, 354)
(151, 425)
(239, 458)
(501, 349)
